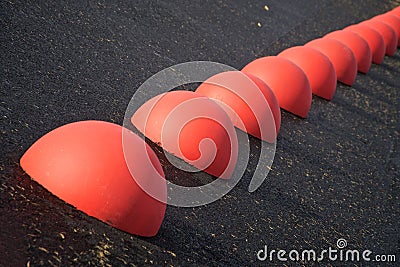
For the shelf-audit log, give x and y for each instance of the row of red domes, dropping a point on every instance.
(87, 165)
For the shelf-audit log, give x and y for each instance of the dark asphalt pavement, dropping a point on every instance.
(335, 175)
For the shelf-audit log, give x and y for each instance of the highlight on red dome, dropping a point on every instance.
(387, 32)
(342, 58)
(374, 40)
(358, 45)
(317, 67)
(248, 101)
(288, 82)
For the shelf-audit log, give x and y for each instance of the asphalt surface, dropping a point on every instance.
(335, 175)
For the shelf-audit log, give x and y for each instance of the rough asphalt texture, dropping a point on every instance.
(335, 175)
